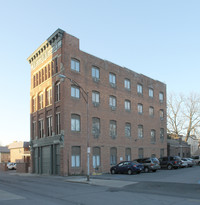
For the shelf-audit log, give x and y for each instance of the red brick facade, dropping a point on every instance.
(61, 148)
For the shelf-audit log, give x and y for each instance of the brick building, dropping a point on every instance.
(125, 111)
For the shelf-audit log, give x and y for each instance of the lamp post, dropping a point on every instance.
(85, 97)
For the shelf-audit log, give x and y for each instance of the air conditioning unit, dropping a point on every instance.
(113, 108)
(96, 104)
(96, 80)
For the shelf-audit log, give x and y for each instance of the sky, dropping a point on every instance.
(158, 38)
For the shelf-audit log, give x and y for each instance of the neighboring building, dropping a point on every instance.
(19, 151)
(126, 110)
(177, 147)
(4, 154)
(194, 143)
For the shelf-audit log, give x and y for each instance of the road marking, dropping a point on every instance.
(4, 195)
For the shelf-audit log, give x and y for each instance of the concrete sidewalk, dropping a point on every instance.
(99, 182)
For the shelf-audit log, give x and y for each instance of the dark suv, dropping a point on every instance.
(170, 162)
(150, 164)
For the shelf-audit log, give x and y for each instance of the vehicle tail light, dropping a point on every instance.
(151, 165)
(175, 162)
(134, 165)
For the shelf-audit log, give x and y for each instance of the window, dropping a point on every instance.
(33, 104)
(161, 152)
(75, 92)
(96, 157)
(41, 128)
(127, 105)
(49, 96)
(75, 123)
(76, 156)
(113, 156)
(57, 91)
(49, 126)
(113, 129)
(112, 102)
(95, 73)
(49, 71)
(56, 65)
(95, 98)
(34, 81)
(33, 130)
(112, 79)
(140, 131)
(52, 67)
(139, 89)
(45, 73)
(150, 92)
(161, 114)
(75, 65)
(162, 134)
(40, 101)
(151, 111)
(58, 125)
(153, 136)
(42, 75)
(140, 153)
(127, 84)
(161, 97)
(37, 83)
(140, 108)
(95, 127)
(128, 154)
(128, 129)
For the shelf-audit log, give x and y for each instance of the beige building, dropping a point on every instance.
(19, 152)
(4, 154)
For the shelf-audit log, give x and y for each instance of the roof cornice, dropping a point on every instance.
(54, 38)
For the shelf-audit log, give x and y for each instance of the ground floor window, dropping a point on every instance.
(113, 156)
(76, 156)
(96, 157)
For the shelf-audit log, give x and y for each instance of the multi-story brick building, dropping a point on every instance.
(80, 101)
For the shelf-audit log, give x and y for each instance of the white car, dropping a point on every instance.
(189, 162)
(11, 165)
(183, 164)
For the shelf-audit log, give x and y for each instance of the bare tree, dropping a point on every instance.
(175, 121)
(183, 115)
(192, 115)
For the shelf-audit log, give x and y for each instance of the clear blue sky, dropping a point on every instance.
(160, 39)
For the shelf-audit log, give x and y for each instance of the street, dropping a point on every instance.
(180, 186)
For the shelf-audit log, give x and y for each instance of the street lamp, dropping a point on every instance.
(85, 97)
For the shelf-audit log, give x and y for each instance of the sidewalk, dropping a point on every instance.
(99, 182)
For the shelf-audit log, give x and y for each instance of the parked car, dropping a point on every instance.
(126, 167)
(196, 159)
(183, 164)
(189, 162)
(150, 164)
(193, 162)
(11, 166)
(170, 162)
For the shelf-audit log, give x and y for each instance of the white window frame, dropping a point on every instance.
(75, 65)
(127, 84)
(127, 105)
(151, 93)
(75, 123)
(95, 72)
(139, 89)
(75, 92)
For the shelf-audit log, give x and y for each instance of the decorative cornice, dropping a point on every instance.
(47, 48)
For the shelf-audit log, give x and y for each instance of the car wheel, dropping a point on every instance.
(113, 171)
(169, 167)
(146, 169)
(129, 172)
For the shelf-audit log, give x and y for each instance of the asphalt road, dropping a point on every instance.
(163, 187)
